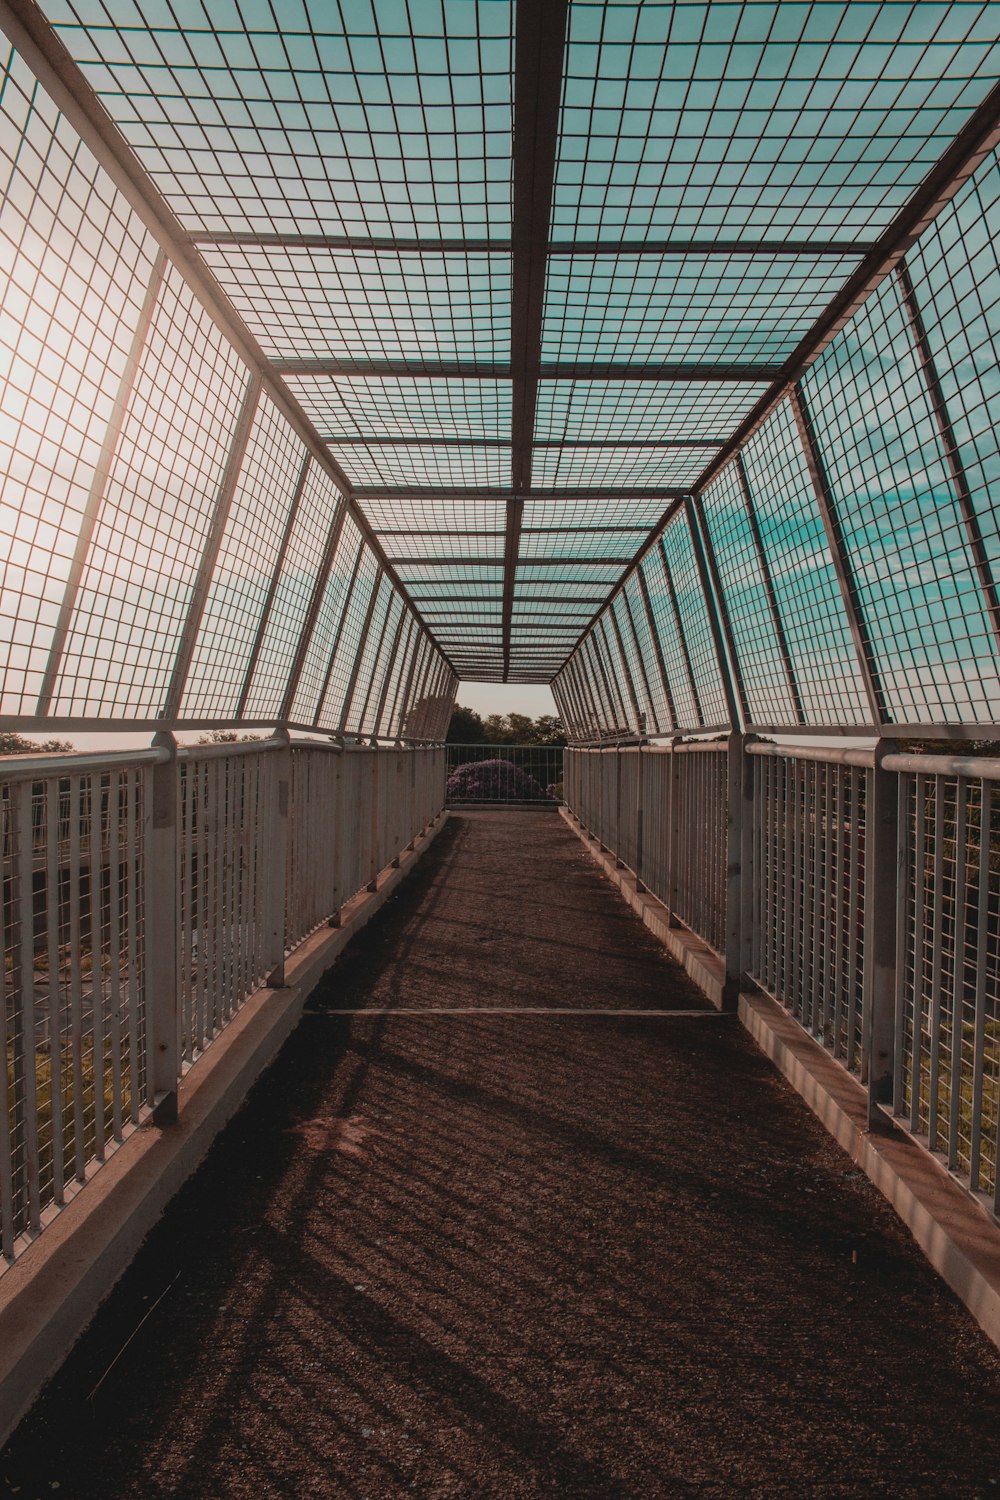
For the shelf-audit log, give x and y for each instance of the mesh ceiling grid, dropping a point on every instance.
(778, 125)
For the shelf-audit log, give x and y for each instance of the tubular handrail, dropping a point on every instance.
(75, 763)
(223, 752)
(698, 747)
(974, 768)
(835, 755)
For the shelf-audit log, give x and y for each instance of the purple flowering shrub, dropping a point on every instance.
(493, 781)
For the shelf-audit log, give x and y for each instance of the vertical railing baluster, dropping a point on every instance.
(163, 1064)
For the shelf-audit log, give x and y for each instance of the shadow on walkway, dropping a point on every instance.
(518, 1255)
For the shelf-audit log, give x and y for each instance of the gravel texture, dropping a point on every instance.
(511, 1256)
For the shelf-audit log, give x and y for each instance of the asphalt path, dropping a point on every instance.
(528, 1220)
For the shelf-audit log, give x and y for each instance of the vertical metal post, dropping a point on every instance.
(640, 790)
(881, 875)
(673, 822)
(163, 1021)
(277, 855)
(375, 864)
(740, 873)
(337, 818)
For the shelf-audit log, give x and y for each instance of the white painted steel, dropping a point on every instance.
(146, 897)
(872, 914)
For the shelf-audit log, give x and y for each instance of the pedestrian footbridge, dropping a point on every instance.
(648, 351)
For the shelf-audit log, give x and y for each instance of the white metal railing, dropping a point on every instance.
(808, 888)
(146, 896)
(946, 1053)
(858, 887)
(661, 810)
(73, 1016)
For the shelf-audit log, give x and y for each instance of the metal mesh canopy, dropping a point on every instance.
(648, 349)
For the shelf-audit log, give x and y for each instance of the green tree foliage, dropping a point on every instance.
(469, 728)
(466, 728)
(16, 744)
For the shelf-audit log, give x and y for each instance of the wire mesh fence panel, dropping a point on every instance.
(653, 867)
(312, 893)
(947, 1055)
(73, 1014)
(226, 811)
(357, 842)
(662, 812)
(808, 893)
(628, 811)
(700, 808)
(527, 775)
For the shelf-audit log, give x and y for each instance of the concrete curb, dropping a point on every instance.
(51, 1292)
(958, 1238)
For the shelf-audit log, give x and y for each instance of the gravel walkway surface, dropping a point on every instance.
(503, 1255)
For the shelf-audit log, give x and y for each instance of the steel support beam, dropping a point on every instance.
(312, 613)
(99, 483)
(352, 681)
(455, 492)
(588, 698)
(539, 42)
(952, 456)
(839, 555)
(640, 715)
(658, 652)
(606, 658)
(772, 598)
(346, 243)
(388, 440)
(718, 619)
(210, 551)
(272, 587)
(708, 248)
(384, 626)
(627, 610)
(690, 370)
(403, 704)
(675, 609)
(396, 677)
(337, 634)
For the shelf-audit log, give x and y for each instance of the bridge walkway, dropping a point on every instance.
(453, 1249)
